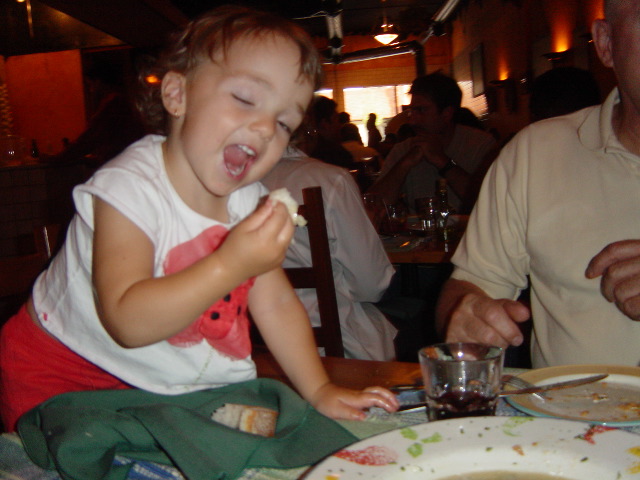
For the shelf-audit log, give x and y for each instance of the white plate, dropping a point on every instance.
(435, 450)
(613, 401)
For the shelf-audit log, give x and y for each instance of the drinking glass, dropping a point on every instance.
(461, 379)
(374, 207)
(397, 217)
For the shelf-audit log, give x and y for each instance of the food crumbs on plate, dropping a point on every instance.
(373, 455)
(599, 397)
(436, 437)
(518, 449)
(409, 433)
(593, 430)
(630, 406)
(415, 450)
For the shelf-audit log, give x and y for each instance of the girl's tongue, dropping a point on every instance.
(237, 158)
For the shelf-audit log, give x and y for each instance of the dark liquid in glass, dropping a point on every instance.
(460, 404)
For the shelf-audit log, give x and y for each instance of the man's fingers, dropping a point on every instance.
(611, 254)
(517, 311)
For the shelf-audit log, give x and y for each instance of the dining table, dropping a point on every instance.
(411, 245)
(351, 373)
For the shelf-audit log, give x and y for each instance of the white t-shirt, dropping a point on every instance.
(213, 351)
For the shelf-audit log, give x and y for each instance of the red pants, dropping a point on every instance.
(35, 367)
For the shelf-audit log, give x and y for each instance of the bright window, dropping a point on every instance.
(385, 102)
(477, 105)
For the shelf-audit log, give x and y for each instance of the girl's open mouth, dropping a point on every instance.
(237, 158)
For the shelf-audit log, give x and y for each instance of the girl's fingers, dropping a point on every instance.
(387, 395)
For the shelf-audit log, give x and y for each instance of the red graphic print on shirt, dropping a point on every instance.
(224, 325)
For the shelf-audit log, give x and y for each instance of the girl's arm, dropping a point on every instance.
(138, 309)
(286, 329)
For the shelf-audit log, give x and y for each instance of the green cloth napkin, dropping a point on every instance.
(80, 433)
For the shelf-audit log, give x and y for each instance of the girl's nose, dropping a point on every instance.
(265, 125)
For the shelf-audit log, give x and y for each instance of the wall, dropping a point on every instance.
(514, 34)
(47, 97)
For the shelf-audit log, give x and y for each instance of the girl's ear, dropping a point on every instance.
(174, 93)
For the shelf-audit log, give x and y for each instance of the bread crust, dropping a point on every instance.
(247, 418)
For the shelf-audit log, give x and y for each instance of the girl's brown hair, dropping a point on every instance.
(211, 33)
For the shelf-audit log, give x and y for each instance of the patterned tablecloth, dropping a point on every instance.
(15, 465)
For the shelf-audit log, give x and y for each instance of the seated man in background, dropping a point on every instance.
(441, 148)
(560, 204)
(361, 268)
(326, 125)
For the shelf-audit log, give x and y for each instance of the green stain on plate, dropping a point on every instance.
(415, 450)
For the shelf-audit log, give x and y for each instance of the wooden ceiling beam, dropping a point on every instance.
(139, 23)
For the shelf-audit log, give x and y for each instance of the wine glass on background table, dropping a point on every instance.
(375, 208)
(396, 221)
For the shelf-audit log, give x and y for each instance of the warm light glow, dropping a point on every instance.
(503, 68)
(151, 79)
(386, 33)
(20, 1)
(562, 17)
(562, 42)
(386, 38)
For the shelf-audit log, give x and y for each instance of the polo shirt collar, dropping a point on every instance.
(596, 132)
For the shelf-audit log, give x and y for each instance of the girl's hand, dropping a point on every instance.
(259, 243)
(345, 404)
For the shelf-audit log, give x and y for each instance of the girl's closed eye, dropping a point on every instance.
(244, 99)
(285, 127)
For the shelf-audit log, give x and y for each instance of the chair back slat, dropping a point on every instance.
(320, 274)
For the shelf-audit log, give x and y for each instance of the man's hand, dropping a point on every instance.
(619, 266)
(470, 315)
(432, 149)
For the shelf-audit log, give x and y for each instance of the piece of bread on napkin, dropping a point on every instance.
(282, 195)
(247, 418)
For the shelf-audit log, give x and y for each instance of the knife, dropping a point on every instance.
(554, 386)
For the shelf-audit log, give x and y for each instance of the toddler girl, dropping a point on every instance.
(169, 248)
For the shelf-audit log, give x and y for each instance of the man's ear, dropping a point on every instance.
(174, 93)
(601, 34)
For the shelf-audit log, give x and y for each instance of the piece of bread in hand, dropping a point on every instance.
(246, 418)
(282, 195)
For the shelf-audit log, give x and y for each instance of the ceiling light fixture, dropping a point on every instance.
(386, 32)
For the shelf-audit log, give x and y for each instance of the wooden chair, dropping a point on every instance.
(17, 274)
(320, 274)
